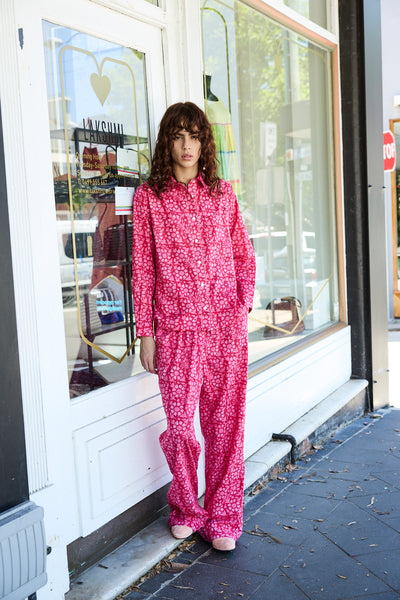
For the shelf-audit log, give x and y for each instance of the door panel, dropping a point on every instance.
(102, 116)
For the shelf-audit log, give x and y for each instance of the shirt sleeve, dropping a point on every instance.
(143, 264)
(243, 254)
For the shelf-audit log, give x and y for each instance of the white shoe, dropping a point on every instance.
(181, 532)
(224, 544)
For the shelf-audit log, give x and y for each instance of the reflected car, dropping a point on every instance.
(84, 241)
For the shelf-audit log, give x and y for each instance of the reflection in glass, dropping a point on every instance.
(315, 10)
(100, 154)
(269, 89)
(396, 212)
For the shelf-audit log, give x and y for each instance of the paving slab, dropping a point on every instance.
(346, 580)
(271, 490)
(356, 532)
(368, 440)
(384, 596)
(292, 503)
(213, 582)
(347, 453)
(326, 487)
(384, 565)
(253, 554)
(280, 587)
(321, 570)
(370, 486)
(383, 506)
(389, 476)
(279, 529)
(339, 469)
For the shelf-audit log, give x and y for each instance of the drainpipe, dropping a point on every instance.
(285, 437)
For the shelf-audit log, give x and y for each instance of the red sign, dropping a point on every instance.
(389, 151)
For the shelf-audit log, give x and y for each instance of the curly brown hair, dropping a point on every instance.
(183, 115)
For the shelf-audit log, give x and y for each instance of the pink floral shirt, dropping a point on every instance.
(193, 262)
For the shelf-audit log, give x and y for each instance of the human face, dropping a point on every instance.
(185, 154)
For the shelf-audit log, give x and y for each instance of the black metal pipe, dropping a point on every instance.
(285, 437)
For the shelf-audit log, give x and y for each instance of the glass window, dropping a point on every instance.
(268, 98)
(315, 10)
(395, 128)
(100, 153)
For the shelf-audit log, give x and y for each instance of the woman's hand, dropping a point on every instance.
(148, 354)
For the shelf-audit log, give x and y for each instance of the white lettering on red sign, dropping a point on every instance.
(389, 151)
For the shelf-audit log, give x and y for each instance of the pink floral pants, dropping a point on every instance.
(209, 369)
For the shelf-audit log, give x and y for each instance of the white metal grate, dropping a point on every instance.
(22, 551)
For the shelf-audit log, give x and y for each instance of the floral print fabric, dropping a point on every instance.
(209, 369)
(193, 262)
(193, 282)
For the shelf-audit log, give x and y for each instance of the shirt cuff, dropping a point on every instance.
(144, 331)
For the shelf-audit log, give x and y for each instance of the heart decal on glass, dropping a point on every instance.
(101, 85)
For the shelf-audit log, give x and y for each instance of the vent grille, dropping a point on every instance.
(22, 552)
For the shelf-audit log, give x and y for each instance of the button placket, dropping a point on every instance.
(199, 257)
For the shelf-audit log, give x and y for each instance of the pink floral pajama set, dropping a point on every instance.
(193, 282)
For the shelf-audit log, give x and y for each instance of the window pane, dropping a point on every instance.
(315, 10)
(268, 97)
(396, 239)
(100, 151)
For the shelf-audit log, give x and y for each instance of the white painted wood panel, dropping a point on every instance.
(119, 461)
(277, 397)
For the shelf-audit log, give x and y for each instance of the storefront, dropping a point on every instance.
(87, 84)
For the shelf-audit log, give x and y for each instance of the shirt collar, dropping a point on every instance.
(199, 179)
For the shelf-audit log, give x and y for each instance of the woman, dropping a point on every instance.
(193, 283)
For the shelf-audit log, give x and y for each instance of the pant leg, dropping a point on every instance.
(180, 359)
(222, 414)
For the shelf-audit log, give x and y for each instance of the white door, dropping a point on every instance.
(92, 94)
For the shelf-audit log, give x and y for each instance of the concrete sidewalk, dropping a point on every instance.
(328, 529)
